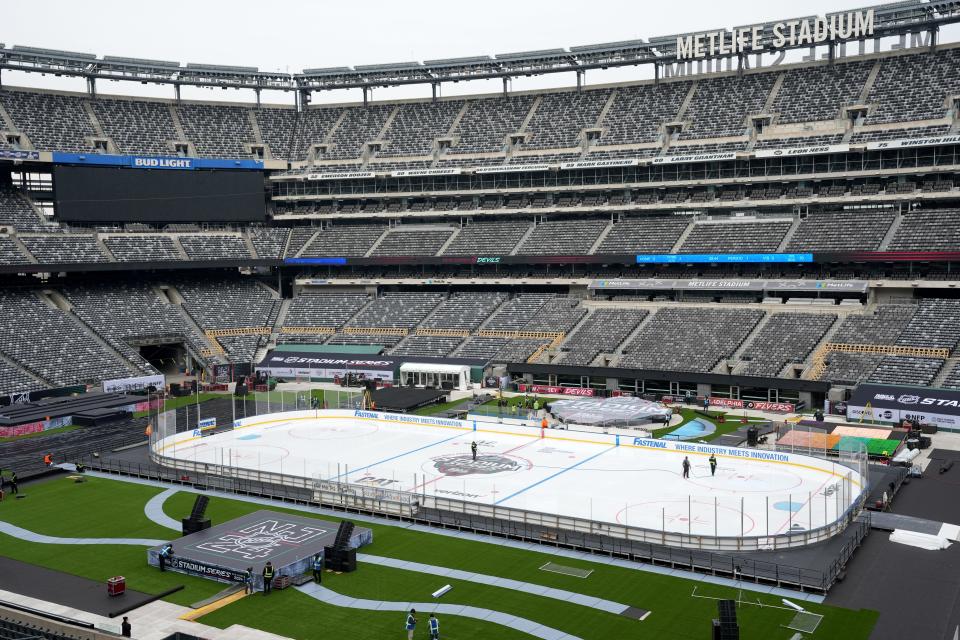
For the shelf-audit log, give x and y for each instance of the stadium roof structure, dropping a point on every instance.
(890, 19)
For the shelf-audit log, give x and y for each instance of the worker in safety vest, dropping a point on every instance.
(267, 577)
(434, 627)
(166, 553)
(411, 624)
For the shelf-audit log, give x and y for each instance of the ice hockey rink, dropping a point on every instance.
(604, 478)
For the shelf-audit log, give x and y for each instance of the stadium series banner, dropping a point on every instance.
(888, 403)
(293, 364)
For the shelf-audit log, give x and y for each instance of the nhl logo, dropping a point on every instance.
(465, 465)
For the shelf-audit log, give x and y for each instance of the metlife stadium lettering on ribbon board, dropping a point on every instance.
(294, 364)
(888, 403)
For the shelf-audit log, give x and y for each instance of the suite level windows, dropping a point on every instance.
(857, 115)
(13, 139)
(181, 149)
(760, 123)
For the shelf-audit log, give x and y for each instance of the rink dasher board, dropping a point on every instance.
(279, 420)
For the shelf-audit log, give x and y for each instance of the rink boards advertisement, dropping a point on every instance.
(305, 364)
(887, 403)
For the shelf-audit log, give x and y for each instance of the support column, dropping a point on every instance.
(434, 86)
(176, 92)
(506, 80)
(257, 93)
(366, 95)
(656, 73)
(580, 75)
(92, 86)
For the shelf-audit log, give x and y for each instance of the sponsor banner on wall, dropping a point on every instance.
(133, 384)
(19, 155)
(888, 403)
(599, 164)
(694, 157)
(906, 143)
(557, 391)
(756, 405)
(294, 364)
(801, 151)
(155, 162)
(21, 429)
(512, 168)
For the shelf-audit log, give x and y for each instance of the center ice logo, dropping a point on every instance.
(261, 539)
(464, 465)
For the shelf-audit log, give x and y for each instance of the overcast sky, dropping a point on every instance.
(290, 36)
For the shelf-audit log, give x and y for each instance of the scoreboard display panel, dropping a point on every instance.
(110, 194)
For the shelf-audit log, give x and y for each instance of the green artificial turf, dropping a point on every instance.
(169, 404)
(106, 508)
(296, 615)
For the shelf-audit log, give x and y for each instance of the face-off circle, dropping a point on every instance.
(333, 431)
(676, 513)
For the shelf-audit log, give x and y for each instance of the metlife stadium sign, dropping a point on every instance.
(812, 31)
(888, 403)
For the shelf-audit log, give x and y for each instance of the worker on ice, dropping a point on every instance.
(473, 450)
(686, 467)
(411, 623)
(434, 627)
(713, 465)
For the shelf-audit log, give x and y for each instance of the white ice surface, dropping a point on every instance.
(565, 473)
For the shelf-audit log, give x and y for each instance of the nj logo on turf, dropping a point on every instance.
(260, 540)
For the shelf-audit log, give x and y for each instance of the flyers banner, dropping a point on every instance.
(756, 405)
(557, 391)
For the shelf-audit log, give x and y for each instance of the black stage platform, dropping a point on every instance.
(406, 398)
(63, 406)
(224, 552)
(66, 589)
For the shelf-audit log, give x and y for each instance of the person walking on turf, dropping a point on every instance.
(411, 623)
(686, 467)
(267, 578)
(166, 552)
(434, 627)
(713, 465)
(473, 450)
(125, 629)
(13, 482)
(248, 580)
(317, 568)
